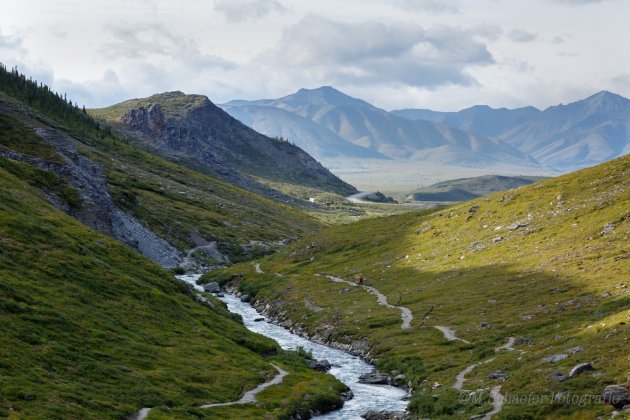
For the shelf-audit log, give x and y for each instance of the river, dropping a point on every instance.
(346, 367)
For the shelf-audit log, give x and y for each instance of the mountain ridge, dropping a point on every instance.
(190, 128)
(362, 124)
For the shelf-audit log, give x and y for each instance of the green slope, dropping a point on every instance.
(547, 263)
(90, 329)
(182, 206)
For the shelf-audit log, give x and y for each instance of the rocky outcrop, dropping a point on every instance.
(95, 206)
(192, 129)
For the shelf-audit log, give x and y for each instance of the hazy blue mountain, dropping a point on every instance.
(360, 124)
(315, 139)
(582, 133)
(566, 137)
(479, 119)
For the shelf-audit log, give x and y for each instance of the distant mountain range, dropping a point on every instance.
(327, 123)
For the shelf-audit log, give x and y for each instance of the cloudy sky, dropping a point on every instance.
(438, 54)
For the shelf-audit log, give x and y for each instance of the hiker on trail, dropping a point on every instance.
(360, 280)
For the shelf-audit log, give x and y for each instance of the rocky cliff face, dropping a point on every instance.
(95, 207)
(197, 131)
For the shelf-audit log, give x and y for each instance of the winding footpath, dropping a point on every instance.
(406, 314)
(449, 334)
(495, 391)
(248, 398)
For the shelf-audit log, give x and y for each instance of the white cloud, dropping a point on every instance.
(431, 6)
(328, 51)
(521, 35)
(107, 90)
(580, 2)
(241, 10)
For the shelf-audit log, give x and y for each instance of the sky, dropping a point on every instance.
(439, 54)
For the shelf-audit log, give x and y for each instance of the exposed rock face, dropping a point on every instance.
(203, 133)
(96, 208)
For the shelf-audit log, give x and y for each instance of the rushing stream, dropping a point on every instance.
(346, 367)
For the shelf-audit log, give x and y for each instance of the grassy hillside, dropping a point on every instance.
(547, 264)
(90, 329)
(180, 205)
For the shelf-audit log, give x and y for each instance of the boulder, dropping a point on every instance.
(616, 395)
(320, 365)
(558, 377)
(260, 319)
(498, 374)
(555, 358)
(347, 395)
(574, 350)
(498, 239)
(582, 367)
(212, 287)
(245, 298)
(374, 378)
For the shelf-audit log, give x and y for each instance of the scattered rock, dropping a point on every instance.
(498, 239)
(347, 395)
(577, 369)
(204, 300)
(476, 246)
(616, 395)
(498, 374)
(473, 209)
(212, 287)
(374, 378)
(558, 377)
(492, 302)
(516, 226)
(528, 317)
(384, 415)
(609, 228)
(219, 295)
(320, 365)
(555, 358)
(524, 341)
(574, 350)
(245, 298)
(259, 319)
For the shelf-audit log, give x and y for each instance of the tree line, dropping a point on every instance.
(42, 98)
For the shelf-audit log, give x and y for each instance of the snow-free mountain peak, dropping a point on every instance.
(321, 96)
